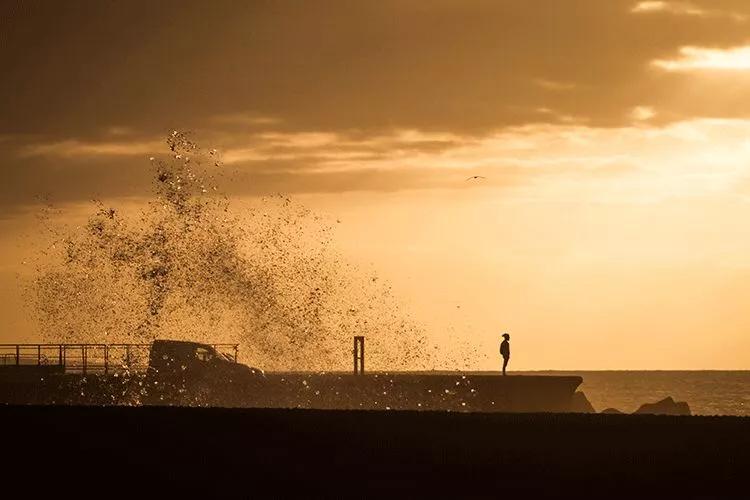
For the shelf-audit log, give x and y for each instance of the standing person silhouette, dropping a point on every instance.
(505, 350)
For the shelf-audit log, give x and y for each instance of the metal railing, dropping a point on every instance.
(88, 358)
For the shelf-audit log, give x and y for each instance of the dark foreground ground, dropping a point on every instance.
(136, 451)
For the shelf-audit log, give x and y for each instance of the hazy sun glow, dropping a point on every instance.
(673, 7)
(642, 113)
(698, 58)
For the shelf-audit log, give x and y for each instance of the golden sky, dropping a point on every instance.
(610, 232)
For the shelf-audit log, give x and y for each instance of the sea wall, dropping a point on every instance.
(397, 391)
(419, 391)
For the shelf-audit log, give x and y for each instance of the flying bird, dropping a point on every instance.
(476, 177)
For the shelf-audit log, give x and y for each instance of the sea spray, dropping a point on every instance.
(189, 265)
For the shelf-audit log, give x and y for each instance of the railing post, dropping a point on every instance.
(106, 359)
(18, 355)
(83, 359)
(38, 355)
(60, 356)
(127, 355)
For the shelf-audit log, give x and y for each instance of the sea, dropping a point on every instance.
(706, 392)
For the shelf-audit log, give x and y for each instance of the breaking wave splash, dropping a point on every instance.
(188, 265)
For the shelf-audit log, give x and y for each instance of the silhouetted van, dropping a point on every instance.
(197, 370)
(169, 357)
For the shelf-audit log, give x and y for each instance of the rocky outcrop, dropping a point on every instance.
(666, 406)
(579, 403)
(612, 411)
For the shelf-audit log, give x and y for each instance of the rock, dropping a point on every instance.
(579, 403)
(666, 406)
(612, 411)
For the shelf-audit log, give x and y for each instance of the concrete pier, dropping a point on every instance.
(446, 391)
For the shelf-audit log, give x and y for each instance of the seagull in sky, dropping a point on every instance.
(476, 177)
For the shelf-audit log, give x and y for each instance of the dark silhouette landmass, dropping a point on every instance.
(666, 406)
(311, 453)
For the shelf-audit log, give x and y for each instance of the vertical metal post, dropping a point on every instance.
(127, 355)
(83, 358)
(60, 356)
(38, 355)
(362, 358)
(106, 359)
(359, 355)
(236, 348)
(18, 354)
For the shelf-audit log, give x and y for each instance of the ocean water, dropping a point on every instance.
(707, 392)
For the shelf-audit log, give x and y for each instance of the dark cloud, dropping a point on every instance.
(62, 173)
(32, 181)
(70, 180)
(80, 76)
(76, 67)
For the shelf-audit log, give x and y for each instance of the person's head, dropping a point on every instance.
(506, 336)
